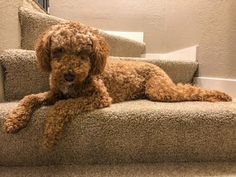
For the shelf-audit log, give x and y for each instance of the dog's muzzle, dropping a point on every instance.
(69, 76)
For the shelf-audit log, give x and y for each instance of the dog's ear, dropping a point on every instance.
(99, 55)
(42, 48)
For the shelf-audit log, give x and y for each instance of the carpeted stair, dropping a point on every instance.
(223, 169)
(131, 132)
(126, 133)
(22, 76)
(136, 138)
(33, 23)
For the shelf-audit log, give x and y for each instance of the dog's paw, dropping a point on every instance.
(217, 96)
(48, 143)
(11, 127)
(14, 123)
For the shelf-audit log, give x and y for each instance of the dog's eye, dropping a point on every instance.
(77, 54)
(82, 54)
(57, 52)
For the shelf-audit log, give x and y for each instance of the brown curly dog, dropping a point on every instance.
(82, 79)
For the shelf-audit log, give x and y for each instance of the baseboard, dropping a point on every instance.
(226, 85)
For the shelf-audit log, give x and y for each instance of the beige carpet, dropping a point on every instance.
(126, 170)
(34, 23)
(23, 77)
(130, 132)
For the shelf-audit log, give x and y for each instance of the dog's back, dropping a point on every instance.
(125, 80)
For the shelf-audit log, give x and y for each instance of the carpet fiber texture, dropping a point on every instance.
(23, 77)
(34, 23)
(130, 132)
(126, 170)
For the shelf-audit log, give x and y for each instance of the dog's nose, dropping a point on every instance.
(69, 76)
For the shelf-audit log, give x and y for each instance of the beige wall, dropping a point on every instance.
(123, 15)
(209, 23)
(31, 4)
(9, 25)
(9, 22)
(167, 25)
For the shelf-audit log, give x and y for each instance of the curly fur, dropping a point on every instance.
(96, 82)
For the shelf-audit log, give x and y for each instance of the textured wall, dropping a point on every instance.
(167, 25)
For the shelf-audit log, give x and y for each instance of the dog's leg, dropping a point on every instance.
(64, 110)
(21, 115)
(161, 88)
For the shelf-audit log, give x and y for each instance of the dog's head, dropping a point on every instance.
(72, 53)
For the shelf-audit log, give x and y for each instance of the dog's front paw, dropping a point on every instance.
(49, 141)
(15, 122)
(11, 127)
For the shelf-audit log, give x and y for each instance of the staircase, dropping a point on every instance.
(136, 138)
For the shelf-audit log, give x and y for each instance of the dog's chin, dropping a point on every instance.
(69, 90)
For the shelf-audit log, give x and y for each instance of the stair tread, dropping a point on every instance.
(136, 170)
(136, 131)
